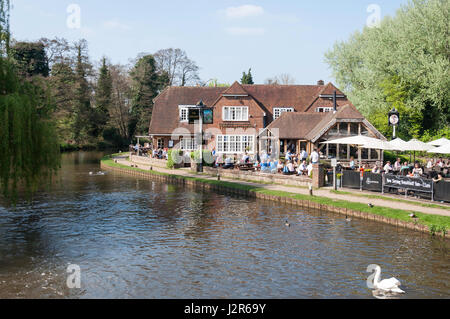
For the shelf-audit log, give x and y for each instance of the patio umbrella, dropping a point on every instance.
(353, 140)
(359, 140)
(440, 142)
(416, 145)
(380, 145)
(445, 149)
(399, 145)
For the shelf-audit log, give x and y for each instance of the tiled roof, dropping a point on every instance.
(296, 125)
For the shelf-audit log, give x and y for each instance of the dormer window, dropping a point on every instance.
(184, 111)
(277, 111)
(235, 113)
(322, 109)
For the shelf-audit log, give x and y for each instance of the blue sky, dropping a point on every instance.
(224, 37)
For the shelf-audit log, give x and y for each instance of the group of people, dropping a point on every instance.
(293, 164)
(406, 169)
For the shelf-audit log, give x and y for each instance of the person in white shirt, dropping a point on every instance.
(430, 164)
(314, 157)
(397, 165)
(303, 168)
(310, 168)
(304, 155)
(388, 167)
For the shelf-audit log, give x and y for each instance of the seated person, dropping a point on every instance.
(352, 163)
(273, 167)
(310, 169)
(228, 163)
(280, 167)
(376, 169)
(302, 169)
(291, 167)
(388, 167)
(264, 166)
(245, 158)
(438, 178)
(417, 171)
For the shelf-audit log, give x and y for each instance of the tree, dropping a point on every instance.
(102, 99)
(404, 63)
(82, 103)
(247, 77)
(58, 51)
(284, 79)
(31, 58)
(4, 27)
(29, 149)
(120, 107)
(146, 85)
(179, 68)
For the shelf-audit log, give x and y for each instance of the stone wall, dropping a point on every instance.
(148, 161)
(259, 177)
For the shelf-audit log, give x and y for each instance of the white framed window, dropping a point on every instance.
(235, 144)
(160, 143)
(277, 111)
(188, 144)
(235, 113)
(322, 109)
(184, 111)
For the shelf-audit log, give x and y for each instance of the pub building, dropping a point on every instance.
(253, 118)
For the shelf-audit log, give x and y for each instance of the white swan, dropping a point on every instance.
(389, 285)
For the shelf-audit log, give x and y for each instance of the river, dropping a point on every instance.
(134, 238)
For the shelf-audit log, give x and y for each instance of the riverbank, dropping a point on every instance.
(431, 220)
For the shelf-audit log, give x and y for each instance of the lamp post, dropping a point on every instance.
(200, 106)
(393, 118)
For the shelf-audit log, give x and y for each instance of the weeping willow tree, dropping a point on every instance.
(29, 149)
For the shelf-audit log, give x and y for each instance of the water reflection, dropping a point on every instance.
(140, 239)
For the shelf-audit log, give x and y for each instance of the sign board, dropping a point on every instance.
(170, 143)
(333, 162)
(207, 116)
(372, 182)
(193, 115)
(411, 183)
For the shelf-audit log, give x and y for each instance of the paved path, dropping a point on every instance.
(323, 192)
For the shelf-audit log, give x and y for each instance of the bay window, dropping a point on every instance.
(235, 143)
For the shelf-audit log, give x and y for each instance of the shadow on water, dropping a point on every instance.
(135, 238)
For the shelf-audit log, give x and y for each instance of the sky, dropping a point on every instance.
(223, 37)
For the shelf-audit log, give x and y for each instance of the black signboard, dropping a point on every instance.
(351, 179)
(193, 115)
(442, 191)
(411, 183)
(372, 182)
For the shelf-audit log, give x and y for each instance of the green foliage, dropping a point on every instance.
(147, 83)
(4, 27)
(208, 159)
(404, 63)
(174, 156)
(31, 58)
(100, 115)
(29, 148)
(216, 83)
(392, 157)
(247, 77)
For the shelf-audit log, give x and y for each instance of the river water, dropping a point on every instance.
(134, 238)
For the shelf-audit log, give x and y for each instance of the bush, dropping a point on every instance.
(173, 157)
(208, 159)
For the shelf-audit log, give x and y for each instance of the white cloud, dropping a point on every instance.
(115, 25)
(244, 11)
(245, 31)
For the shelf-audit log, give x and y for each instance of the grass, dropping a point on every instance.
(436, 221)
(391, 199)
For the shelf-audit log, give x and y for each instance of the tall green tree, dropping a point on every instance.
(247, 78)
(404, 63)
(31, 58)
(82, 126)
(147, 82)
(29, 149)
(103, 95)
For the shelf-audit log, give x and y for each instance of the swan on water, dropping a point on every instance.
(388, 285)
